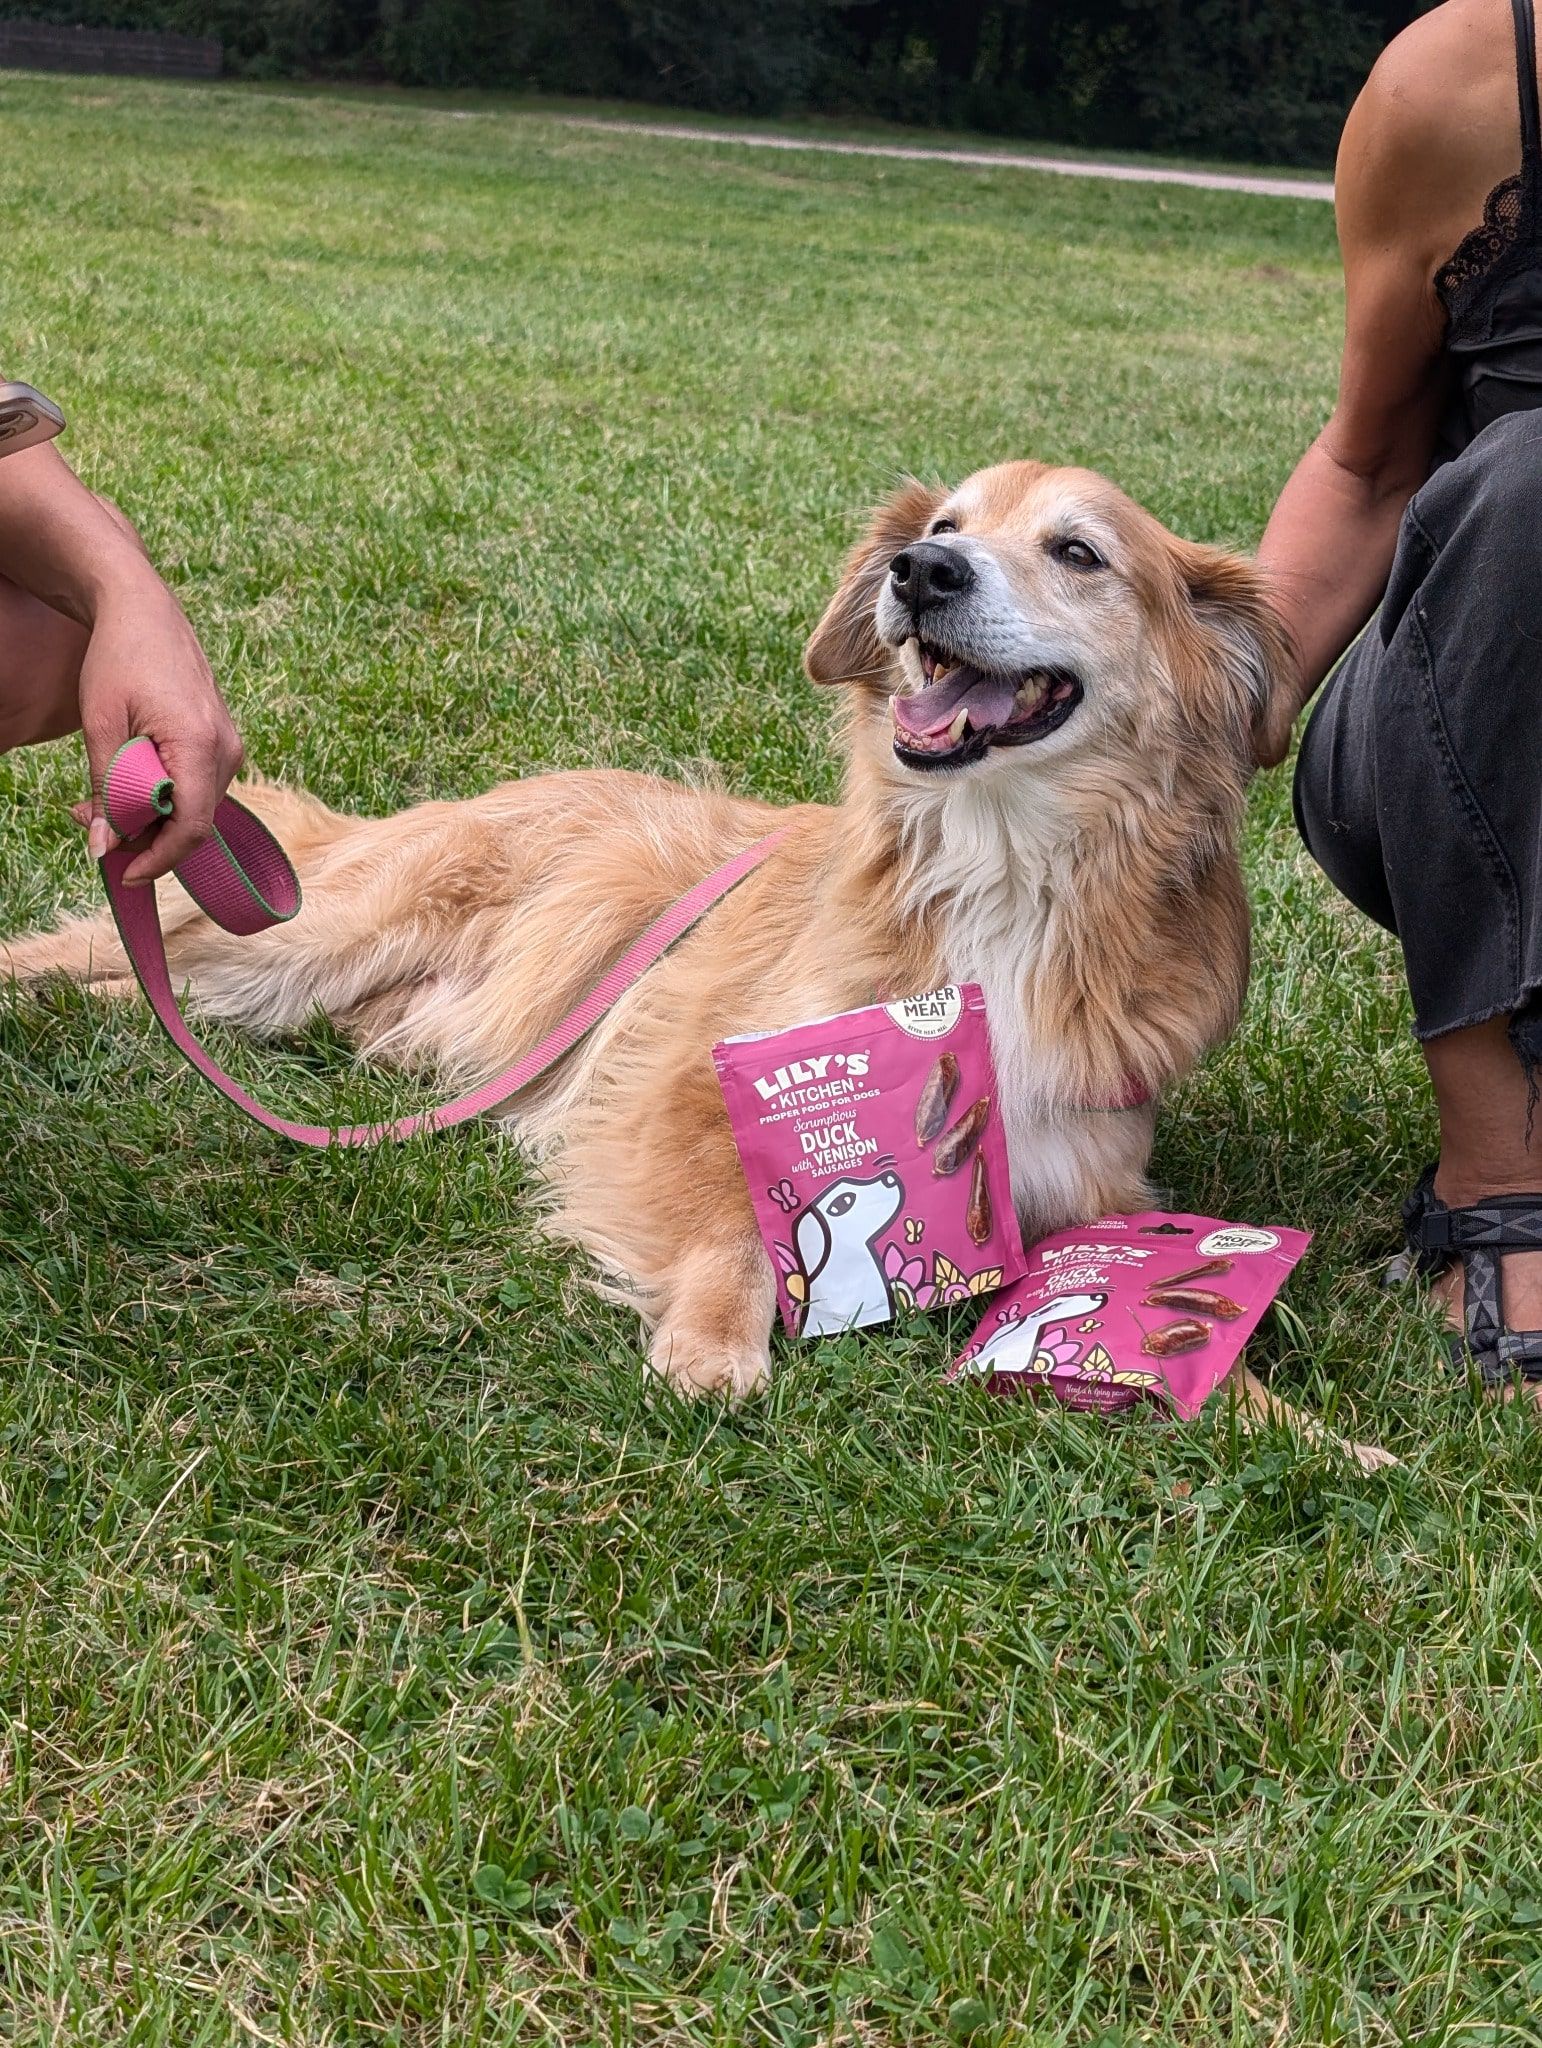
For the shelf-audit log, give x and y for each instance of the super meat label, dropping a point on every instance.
(1155, 1306)
(876, 1166)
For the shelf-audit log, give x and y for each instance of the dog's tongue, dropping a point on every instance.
(987, 699)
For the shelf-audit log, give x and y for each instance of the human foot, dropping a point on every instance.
(1509, 1282)
(1487, 1267)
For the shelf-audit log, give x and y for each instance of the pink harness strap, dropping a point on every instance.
(242, 879)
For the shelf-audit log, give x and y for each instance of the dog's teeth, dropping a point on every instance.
(959, 726)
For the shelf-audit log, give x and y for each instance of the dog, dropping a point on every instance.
(1050, 708)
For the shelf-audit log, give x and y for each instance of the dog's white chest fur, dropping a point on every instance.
(996, 860)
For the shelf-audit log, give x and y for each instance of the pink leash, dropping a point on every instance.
(242, 878)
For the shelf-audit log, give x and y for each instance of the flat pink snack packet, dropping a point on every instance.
(1152, 1306)
(873, 1147)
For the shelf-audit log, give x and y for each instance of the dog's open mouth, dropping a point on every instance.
(964, 711)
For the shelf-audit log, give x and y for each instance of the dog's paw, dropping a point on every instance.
(1369, 1457)
(695, 1364)
(1256, 1405)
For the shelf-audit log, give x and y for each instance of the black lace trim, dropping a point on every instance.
(1480, 251)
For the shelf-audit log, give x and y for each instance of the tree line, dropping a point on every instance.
(1268, 80)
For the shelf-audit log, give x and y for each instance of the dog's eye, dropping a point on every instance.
(842, 1203)
(943, 526)
(1077, 554)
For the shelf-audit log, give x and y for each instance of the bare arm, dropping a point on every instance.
(1330, 541)
(143, 670)
(59, 541)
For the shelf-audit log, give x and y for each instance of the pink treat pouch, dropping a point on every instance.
(1133, 1307)
(873, 1148)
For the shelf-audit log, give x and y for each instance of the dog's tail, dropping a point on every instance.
(87, 949)
(300, 822)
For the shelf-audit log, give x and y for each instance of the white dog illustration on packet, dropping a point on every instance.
(1015, 1346)
(841, 1269)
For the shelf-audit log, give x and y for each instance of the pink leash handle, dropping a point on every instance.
(242, 878)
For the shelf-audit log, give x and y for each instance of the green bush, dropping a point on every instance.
(1267, 79)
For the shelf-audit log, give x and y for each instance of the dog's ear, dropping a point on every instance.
(811, 1241)
(845, 647)
(1230, 597)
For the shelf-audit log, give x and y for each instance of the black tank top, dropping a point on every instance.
(1492, 287)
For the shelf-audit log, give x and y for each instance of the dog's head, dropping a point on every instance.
(1033, 616)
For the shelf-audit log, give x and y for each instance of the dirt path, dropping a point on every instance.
(1058, 166)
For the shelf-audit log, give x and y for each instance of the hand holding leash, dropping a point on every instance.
(145, 675)
(140, 669)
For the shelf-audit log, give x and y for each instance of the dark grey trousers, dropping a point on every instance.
(1419, 783)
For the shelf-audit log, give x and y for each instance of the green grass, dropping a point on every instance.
(384, 1661)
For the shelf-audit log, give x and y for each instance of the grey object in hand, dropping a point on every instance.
(26, 418)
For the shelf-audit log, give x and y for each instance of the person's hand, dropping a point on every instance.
(145, 673)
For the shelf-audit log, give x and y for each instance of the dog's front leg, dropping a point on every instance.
(713, 1335)
(649, 1183)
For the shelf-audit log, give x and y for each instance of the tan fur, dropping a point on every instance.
(1090, 881)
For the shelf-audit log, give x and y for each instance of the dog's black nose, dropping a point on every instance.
(928, 573)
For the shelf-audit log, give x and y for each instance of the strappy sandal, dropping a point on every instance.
(1436, 1236)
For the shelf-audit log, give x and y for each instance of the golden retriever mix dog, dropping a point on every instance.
(1049, 704)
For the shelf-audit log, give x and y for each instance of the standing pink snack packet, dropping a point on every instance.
(1148, 1307)
(876, 1161)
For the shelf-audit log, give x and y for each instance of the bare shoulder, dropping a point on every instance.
(1435, 128)
(1428, 73)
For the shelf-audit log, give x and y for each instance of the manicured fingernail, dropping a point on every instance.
(97, 837)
